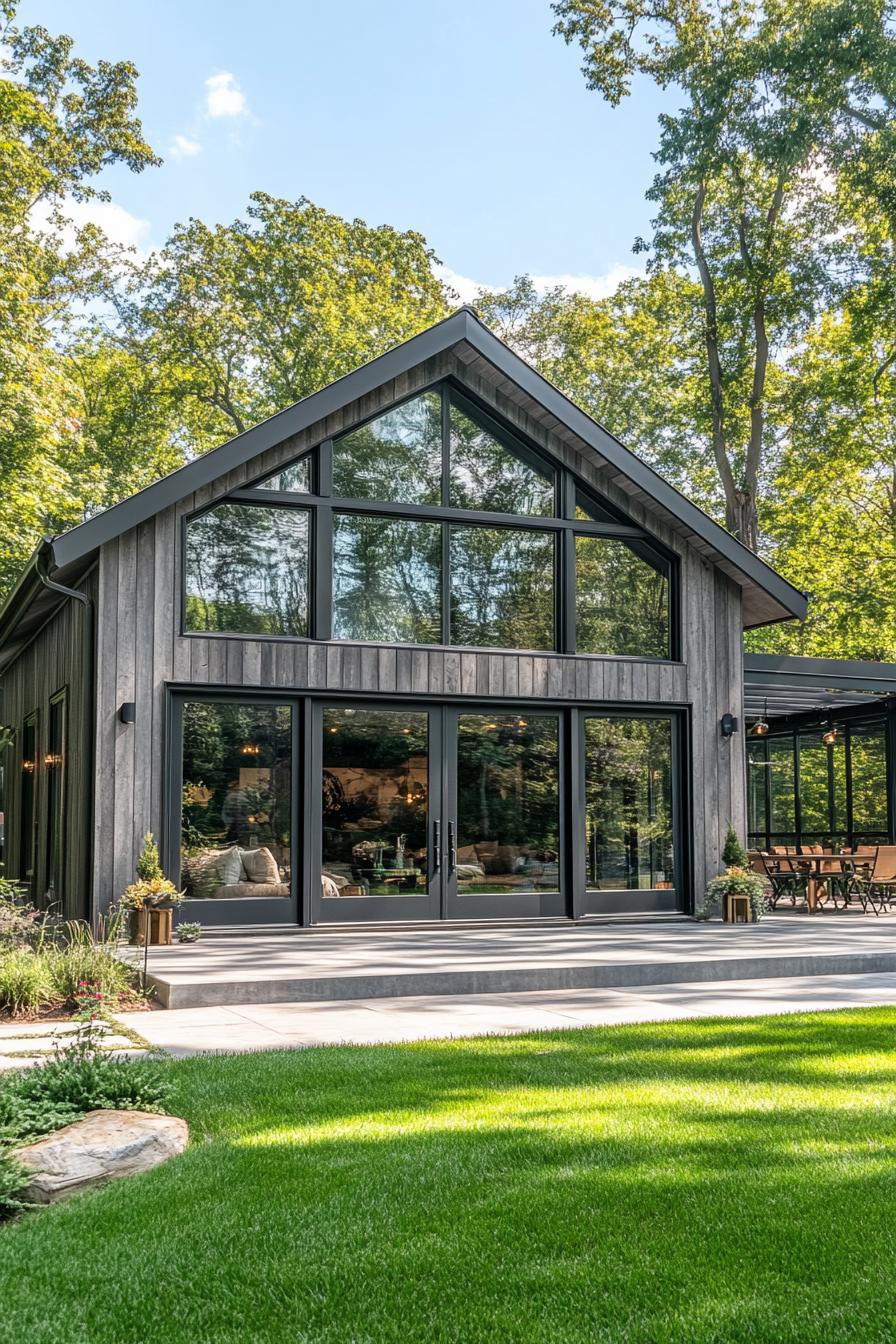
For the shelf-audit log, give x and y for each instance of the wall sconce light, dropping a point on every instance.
(728, 725)
(52, 758)
(127, 712)
(251, 749)
(28, 767)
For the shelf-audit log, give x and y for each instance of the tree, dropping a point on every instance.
(778, 98)
(244, 319)
(61, 122)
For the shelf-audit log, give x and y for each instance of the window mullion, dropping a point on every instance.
(323, 572)
(446, 583)
(566, 604)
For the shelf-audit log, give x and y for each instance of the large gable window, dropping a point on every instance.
(430, 523)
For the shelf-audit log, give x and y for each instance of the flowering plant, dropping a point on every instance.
(737, 881)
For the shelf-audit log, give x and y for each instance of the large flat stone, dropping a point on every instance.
(100, 1147)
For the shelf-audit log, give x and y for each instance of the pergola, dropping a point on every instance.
(821, 749)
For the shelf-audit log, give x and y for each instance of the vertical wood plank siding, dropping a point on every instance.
(141, 650)
(51, 662)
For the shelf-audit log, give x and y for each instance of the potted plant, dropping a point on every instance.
(736, 881)
(152, 891)
(188, 932)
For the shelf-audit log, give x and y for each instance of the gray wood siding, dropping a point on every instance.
(141, 651)
(51, 662)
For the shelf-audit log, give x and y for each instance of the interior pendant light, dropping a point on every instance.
(830, 735)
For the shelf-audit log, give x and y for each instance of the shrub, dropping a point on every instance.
(13, 1180)
(23, 1120)
(94, 1083)
(188, 932)
(84, 960)
(733, 855)
(26, 983)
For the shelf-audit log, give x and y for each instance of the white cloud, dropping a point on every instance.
(224, 97)
(182, 147)
(592, 286)
(118, 224)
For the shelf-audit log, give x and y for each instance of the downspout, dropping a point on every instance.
(42, 564)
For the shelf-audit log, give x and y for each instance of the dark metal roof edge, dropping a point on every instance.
(464, 324)
(840, 673)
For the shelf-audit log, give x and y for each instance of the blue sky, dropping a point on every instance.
(467, 121)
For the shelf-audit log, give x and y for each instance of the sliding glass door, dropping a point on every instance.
(402, 812)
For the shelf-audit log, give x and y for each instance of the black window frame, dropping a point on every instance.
(57, 790)
(569, 488)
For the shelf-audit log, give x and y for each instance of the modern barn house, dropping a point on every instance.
(428, 645)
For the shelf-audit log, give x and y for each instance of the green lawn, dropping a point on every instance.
(717, 1180)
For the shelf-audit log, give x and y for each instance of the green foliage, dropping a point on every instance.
(95, 1082)
(148, 866)
(25, 1119)
(188, 931)
(26, 980)
(733, 855)
(13, 1180)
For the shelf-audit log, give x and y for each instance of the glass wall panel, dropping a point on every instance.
(247, 570)
(387, 581)
(757, 776)
(502, 588)
(868, 760)
(508, 803)
(296, 478)
(375, 802)
(236, 818)
(397, 457)
(628, 804)
(622, 601)
(488, 476)
(55, 764)
(814, 816)
(781, 776)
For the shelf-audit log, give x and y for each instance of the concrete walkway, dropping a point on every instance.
(241, 1027)
(260, 967)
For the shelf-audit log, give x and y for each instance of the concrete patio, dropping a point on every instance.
(279, 1026)
(271, 967)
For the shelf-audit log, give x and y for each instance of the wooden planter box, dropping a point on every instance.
(737, 909)
(160, 923)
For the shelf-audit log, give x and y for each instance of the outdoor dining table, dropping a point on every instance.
(816, 874)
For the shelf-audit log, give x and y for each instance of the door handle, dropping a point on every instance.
(452, 852)
(436, 846)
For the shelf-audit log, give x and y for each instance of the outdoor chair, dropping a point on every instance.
(783, 877)
(879, 887)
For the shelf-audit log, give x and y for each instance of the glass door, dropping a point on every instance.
(504, 772)
(235, 809)
(380, 836)
(630, 814)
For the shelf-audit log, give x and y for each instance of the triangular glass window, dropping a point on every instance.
(588, 510)
(294, 478)
(397, 457)
(489, 475)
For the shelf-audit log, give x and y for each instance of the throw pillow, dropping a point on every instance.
(260, 865)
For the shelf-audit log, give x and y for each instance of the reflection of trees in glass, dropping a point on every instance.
(868, 759)
(375, 789)
(486, 475)
(628, 802)
(782, 811)
(247, 570)
(502, 588)
(757, 774)
(814, 816)
(508, 794)
(622, 601)
(387, 579)
(237, 764)
(396, 457)
(295, 477)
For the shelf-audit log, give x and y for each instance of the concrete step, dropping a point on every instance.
(373, 964)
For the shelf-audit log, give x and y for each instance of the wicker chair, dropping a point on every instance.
(782, 875)
(879, 887)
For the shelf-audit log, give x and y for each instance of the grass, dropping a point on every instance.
(700, 1181)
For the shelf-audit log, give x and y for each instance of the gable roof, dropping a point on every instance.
(778, 600)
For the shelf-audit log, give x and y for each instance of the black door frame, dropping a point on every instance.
(304, 906)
